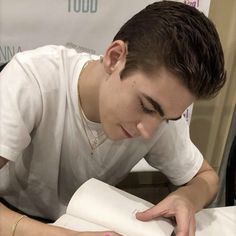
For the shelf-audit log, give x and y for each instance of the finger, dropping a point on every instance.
(100, 233)
(183, 220)
(192, 228)
(150, 213)
(110, 234)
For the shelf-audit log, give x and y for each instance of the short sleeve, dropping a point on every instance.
(174, 154)
(20, 108)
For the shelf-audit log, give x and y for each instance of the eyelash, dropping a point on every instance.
(146, 110)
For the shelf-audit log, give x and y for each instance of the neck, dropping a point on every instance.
(88, 89)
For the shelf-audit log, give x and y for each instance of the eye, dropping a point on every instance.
(145, 109)
(174, 119)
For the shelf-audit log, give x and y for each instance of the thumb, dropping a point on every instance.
(149, 214)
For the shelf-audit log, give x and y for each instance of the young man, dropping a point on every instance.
(67, 117)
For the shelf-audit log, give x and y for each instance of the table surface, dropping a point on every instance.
(216, 221)
(143, 166)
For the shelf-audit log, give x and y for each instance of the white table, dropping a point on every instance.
(143, 166)
(216, 222)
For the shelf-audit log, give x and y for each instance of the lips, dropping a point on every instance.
(129, 135)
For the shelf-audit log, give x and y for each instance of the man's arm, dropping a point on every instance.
(183, 203)
(202, 188)
(30, 227)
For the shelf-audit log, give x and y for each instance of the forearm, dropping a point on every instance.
(27, 226)
(200, 190)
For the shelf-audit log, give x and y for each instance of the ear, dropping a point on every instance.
(115, 56)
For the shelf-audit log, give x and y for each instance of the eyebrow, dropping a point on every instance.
(155, 104)
(158, 107)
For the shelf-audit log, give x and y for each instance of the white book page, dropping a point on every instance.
(77, 224)
(112, 208)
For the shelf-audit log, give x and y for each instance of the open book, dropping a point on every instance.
(97, 206)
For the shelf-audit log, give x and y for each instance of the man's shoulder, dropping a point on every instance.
(171, 132)
(44, 53)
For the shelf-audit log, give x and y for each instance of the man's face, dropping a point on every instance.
(136, 105)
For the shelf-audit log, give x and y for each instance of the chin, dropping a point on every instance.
(114, 136)
(117, 137)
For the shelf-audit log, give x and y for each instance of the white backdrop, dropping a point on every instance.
(86, 25)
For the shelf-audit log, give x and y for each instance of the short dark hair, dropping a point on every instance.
(180, 38)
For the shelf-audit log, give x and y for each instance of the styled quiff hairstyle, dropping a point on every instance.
(180, 38)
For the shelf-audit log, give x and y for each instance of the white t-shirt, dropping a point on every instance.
(42, 136)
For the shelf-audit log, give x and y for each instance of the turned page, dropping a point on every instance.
(114, 209)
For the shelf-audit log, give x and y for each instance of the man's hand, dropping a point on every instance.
(182, 204)
(177, 208)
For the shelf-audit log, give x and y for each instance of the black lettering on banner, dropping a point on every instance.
(82, 6)
(7, 52)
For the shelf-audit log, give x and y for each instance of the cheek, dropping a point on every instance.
(127, 110)
(108, 107)
(117, 109)
(119, 103)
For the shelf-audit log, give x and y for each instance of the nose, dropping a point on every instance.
(148, 125)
